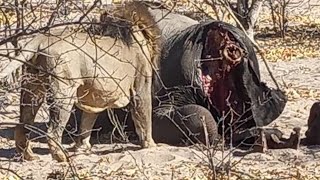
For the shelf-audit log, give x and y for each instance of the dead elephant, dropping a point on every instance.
(213, 65)
(196, 69)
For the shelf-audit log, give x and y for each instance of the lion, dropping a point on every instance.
(93, 72)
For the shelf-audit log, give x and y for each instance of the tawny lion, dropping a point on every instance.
(93, 72)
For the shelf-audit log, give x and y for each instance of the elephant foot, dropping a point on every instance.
(261, 142)
(295, 138)
(275, 141)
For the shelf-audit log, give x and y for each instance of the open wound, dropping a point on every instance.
(221, 54)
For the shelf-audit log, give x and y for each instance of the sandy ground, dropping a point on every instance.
(302, 76)
(128, 161)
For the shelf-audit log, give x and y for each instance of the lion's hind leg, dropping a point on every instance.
(31, 99)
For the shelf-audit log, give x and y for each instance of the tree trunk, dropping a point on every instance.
(248, 16)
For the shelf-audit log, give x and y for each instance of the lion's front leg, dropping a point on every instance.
(142, 112)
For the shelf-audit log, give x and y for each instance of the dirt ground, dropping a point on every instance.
(127, 161)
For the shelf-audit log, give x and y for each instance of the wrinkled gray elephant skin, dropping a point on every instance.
(213, 64)
(184, 125)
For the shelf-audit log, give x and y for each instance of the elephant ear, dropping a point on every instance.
(177, 65)
(254, 65)
(274, 99)
(267, 104)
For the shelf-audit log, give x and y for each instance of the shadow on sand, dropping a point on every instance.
(71, 131)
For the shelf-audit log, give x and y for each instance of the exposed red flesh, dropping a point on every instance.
(226, 54)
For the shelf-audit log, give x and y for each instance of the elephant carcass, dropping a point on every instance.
(213, 64)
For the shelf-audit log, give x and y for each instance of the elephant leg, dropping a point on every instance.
(266, 138)
(61, 104)
(87, 122)
(198, 123)
(293, 142)
(258, 137)
(31, 100)
(190, 123)
(164, 128)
